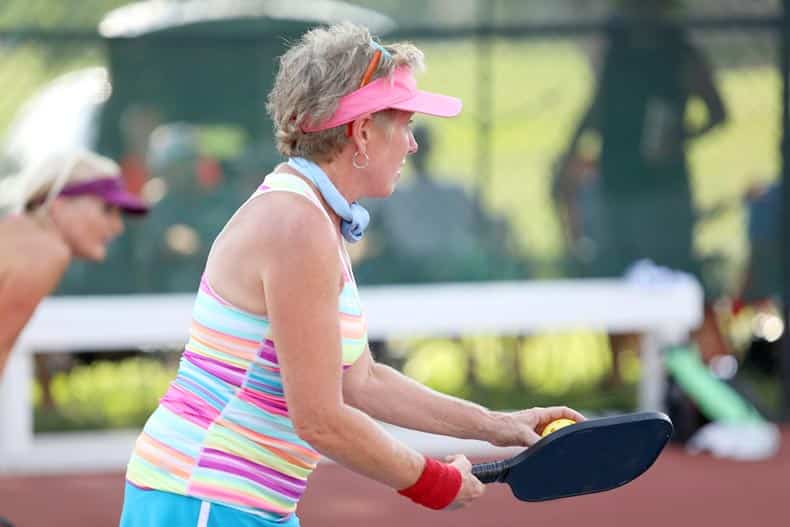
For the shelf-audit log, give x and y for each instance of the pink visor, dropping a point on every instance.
(111, 191)
(398, 93)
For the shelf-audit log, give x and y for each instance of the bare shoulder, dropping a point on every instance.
(277, 238)
(31, 265)
(280, 224)
(36, 259)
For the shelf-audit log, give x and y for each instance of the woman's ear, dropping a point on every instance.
(56, 209)
(54, 206)
(360, 132)
(50, 213)
(50, 208)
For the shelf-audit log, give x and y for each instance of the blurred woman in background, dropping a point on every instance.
(66, 206)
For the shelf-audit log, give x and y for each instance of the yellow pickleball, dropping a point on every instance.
(556, 425)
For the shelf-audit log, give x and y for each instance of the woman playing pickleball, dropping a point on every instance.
(277, 370)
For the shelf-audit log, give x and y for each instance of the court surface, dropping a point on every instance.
(680, 490)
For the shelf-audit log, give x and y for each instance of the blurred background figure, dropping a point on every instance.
(457, 241)
(193, 202)
(762, 277)
(757, 295)
(635, 200)
(67, 206)
(138, 121)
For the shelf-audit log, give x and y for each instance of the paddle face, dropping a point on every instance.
(591, 456)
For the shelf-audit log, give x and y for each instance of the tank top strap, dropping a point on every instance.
(287, 182)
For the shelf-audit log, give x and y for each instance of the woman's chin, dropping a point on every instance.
(393, 185)
(389, 191)
(94, 254)
(384, 192)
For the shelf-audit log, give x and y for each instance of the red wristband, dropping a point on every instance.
(437, 487)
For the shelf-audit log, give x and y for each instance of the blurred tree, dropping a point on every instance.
(84, 14)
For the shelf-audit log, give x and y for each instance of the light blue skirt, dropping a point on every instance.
(155, 508)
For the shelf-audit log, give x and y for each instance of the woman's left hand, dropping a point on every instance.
(523, 428)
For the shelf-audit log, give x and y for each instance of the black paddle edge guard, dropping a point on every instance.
(497, 471)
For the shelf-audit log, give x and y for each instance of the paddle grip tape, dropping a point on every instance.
(491, 472)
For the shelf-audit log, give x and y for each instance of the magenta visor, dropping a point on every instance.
(396, 92)
(111, 191)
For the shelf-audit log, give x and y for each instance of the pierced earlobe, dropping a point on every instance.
(356, 164)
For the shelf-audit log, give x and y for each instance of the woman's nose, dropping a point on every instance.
(413, 146)
(117, 221)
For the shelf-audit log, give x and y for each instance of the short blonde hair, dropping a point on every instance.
(324, 65)
(40, 183)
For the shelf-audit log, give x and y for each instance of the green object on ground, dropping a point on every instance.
(717, 400)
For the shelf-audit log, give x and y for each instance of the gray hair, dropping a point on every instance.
(324, 65)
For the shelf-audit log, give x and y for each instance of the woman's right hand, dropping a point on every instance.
(471, 487)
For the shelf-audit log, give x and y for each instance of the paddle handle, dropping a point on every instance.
(490, 472)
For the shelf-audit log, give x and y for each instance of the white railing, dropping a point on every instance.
(664, 314)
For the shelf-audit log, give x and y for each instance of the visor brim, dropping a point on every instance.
(127, 202)
(430, 103)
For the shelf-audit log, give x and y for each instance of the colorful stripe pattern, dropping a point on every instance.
(222, 432)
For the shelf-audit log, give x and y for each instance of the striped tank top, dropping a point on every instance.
(221, 432)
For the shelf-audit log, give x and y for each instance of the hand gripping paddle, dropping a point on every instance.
(583, 458)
